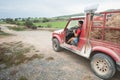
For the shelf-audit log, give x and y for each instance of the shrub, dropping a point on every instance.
(29, 24)
(49, 25)
(20, 28)
(45, 20)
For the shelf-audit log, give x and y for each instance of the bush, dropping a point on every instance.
(20, 23)
(20, 28)
(45, 20)
(29, 24)
(33, 27)
(10, 21)
(23, 78)
(49, 25)
(40, 26)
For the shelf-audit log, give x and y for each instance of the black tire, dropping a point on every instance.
(56, 45)
(103, 66)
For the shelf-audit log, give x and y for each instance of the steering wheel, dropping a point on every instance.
(69, 31)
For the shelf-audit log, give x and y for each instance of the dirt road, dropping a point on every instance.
(62, 65)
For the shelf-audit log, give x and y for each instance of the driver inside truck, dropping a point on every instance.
(74, 40)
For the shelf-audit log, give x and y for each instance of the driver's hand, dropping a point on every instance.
(74, 30)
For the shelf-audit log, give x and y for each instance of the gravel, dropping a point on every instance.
(63, 65)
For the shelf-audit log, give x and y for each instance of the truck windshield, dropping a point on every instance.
(73, 23)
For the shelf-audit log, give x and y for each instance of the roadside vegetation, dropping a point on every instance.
(23, 78)
(14, 53)
(34, 23)
(18, 28)
(55, 24)
(38, 22)
(3, 33)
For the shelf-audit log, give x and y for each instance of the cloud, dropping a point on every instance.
(49, 8)
(109, 5)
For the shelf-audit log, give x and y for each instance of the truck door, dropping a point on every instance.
(73, 24)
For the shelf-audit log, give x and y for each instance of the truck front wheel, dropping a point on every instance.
(56, 45)
(103, 66)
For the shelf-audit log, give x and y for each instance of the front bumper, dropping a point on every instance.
(118, 66)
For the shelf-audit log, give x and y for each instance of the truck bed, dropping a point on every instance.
(113, 46)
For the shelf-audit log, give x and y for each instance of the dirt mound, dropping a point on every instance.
(96, 33)
(111, 35)
(114, 21)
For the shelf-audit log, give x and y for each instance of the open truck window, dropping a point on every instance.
(72, 23)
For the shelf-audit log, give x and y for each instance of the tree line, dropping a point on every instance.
(29, 22)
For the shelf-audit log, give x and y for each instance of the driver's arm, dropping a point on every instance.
(75, 34)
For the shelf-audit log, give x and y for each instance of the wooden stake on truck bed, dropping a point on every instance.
(89, 25)
(89, 15)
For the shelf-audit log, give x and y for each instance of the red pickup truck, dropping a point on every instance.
(99, 41)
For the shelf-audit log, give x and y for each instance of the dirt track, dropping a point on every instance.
(64, 65)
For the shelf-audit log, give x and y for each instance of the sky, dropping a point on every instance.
(50, 8)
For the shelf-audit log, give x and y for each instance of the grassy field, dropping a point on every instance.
(50, 24)
(57, 24)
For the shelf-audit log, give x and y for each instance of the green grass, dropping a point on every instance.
(23, 78)
(51, 24)
(2, 22)
(21, 23)
(13, 53)
(57, 24)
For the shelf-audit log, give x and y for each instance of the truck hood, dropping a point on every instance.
(58, 31)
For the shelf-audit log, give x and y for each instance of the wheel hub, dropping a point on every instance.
(55, 45)
(101, 66)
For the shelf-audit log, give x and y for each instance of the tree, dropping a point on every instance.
(9, 20)
(29, 24)
(23, 19)
(16, 19)
(45, 20)
(35, 21)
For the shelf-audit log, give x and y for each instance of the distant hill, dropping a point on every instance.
(69, 16)
(111, 10)
(81, 14)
